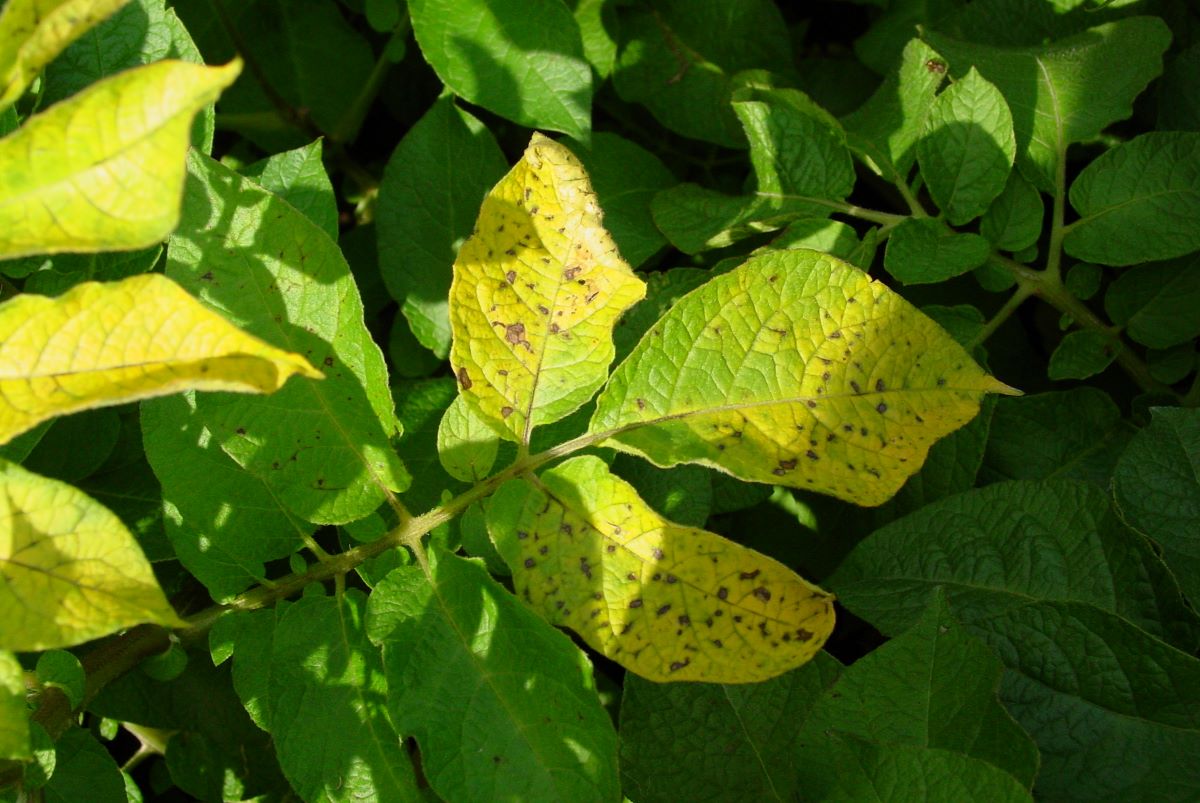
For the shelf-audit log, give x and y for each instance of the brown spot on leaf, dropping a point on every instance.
(506, 411)
(463, 379)
(762, 593)
(637, 603)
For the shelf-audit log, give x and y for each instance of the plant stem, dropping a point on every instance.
(1018, 297)
(871, 215)
(914, 205)
(352, 119)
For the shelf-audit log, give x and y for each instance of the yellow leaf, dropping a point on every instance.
(69, 570)
(104, 170)
(794, 369)
(103, 344)
(536, 291)
(665, 601)
(33, 32)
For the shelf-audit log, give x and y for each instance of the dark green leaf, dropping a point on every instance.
(1172, 364)
(924, 250)
(520, 59)
(697, 219)
(1179, 92)
(702, 741)
(488, 715)
(1083, 280)
(1014, 220)
(1139, 201)
(76, 445)
(1159, 304)
(1083, 353)
(1157, 487)
(83, 770)
(428, 202)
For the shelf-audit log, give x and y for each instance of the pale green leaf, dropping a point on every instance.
(522, 59)
(322, 448)
(668, 602)
(1139, 201)
(33, 32)
(794, 369)
(466, 443)
(536, 291)
(430, 195)
(104, 344)
(967, 148)
(1066, 91)
(117, 185)
(14, 714)
(71, 570)
(298, 176)
(498, 701)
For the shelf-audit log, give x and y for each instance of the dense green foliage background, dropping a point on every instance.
(1019, 621)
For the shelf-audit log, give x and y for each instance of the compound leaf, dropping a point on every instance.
(33, 32)
(69, 569)
(104, 344)
(667, 602)
(536, 291)
(457, 652)
(1139, 201)
(103, 170)
(794, 369)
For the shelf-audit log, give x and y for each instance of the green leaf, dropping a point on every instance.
(248, 637)
(466, 444)
(536, 291)
(677, 57)
(626, 177)
(597, 18)
(667, 602)
(696, 219)
(1139, 201)
(33, 32)
(1113, 710)
(428, 201)
(83, 770)
(521, 60)
(794, 369)
(14, 714)
(1083, 353)
(76, 445)
(298, 177)
(323, 448)
(999, 547)
(967, 148)
(71, 571)
(329, 706)
(682, 494)
(289, 43)
(1179, 92)
(796, 147)
(141, 32)
(466, 661)
(934, 685)
(1173, 364)
(700, 741)
(663, 289)
(924, 251)
(1072, 434)
(117, 188)
(884, 131)
(1083, 280)
(224, 523)
(1159, 304)
(1014, 220)
(1065, 91)
(832, 237)
(868, 771)
(420, 406)
(63, 671)
(1157, 490)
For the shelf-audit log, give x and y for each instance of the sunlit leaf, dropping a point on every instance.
(466, 444)
(104, 170)
(103, 344)
(69, 570)
(794, 369)
(536, 291)
(14, 714)
(665, 601)
(33, 32)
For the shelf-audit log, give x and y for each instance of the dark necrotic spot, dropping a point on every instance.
(684, 620)
(718, 643)
(631, 576)
(637, 603)
(722, 593)
(544, 550)
(522, 535)
(661, 611)
(506, 411)
(803, 635)
(812, 405)
(672, 579)
(881, 407)
(611, 548)
(750, 575)
(677, 665)
(530, 563)
(658, 554)
(762, 593)
(879, 385)
(811, 455)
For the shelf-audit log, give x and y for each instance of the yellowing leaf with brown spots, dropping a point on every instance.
(69, 570)
(103, 344)
(33, 32)
(665, 601)
(103, 170)
(794, 369)
(536, 291)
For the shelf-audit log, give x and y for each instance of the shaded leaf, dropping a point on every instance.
(466, 444)
(521, 60)
(1157, 488)
(298, 176)
(457, 650)
(700, 741)
(1014, 220)
(1068, 90)
(667, 602)
(83, 770)
(1083, 353)
(794, 369)
(924, 250)
(536, 291)
(1158, 304)
(696, 219)
(117, 188)
(72, 572)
